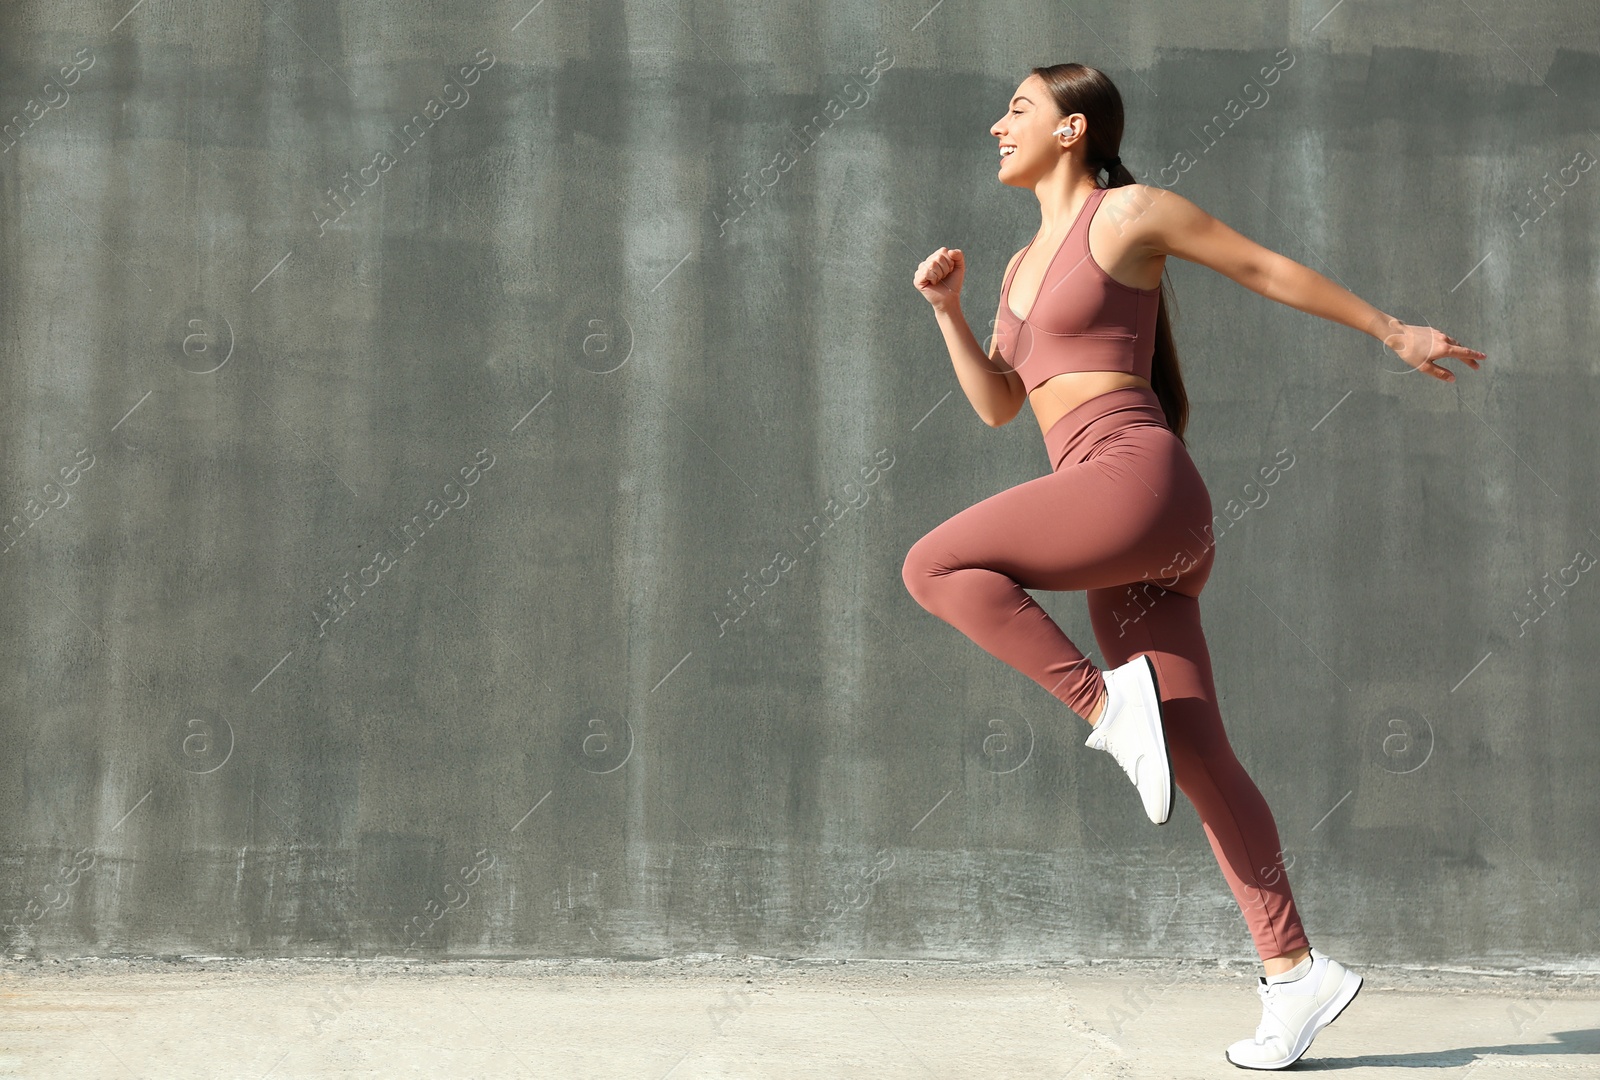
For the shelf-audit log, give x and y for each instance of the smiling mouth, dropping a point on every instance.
(1007, 151)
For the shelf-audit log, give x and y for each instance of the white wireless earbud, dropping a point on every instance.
(1059, 130)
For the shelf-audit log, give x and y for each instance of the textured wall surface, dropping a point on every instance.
(457, 462)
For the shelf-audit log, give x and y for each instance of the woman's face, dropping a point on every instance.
(1030, 119)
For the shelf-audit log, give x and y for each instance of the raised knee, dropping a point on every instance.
(914, 572)
(920, 571)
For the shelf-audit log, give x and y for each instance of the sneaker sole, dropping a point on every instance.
(1161, 730)
(1340, 1002)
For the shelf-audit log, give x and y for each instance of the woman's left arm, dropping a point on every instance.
(1160, 220)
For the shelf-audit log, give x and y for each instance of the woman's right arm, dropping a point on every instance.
(993, 388)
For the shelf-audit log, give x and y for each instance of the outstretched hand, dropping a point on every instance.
(1421, 346)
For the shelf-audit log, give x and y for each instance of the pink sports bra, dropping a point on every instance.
(1082, 319)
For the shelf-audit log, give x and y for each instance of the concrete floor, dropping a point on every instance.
(759, 1017)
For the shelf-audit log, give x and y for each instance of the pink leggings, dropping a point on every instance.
(1126, 518)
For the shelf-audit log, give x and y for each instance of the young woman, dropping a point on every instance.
(1082, 336)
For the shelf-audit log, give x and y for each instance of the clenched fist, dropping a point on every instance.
(939, 277)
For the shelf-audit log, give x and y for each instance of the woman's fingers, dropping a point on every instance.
(938, 266)
(1457, 351)
(1422, 346)
(1441, 346)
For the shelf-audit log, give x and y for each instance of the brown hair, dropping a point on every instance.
(1078, 88)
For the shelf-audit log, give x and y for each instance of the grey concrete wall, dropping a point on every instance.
(394, 403)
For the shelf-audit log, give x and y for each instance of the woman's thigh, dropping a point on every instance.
(1154, 462)
(1113, 518)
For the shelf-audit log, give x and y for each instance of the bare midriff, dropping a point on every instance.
(1060, 394)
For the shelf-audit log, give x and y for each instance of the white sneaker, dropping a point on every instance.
(1130, 730)
(1293, 1013)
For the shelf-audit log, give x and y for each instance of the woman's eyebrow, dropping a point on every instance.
(1018, 98)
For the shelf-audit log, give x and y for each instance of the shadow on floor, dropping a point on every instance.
(1565, 1042)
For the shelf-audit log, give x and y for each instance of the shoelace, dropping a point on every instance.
(1263, 1031)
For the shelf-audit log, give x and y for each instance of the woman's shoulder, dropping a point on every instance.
(1135, 193)
(1129, 203)
(1136, 198)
